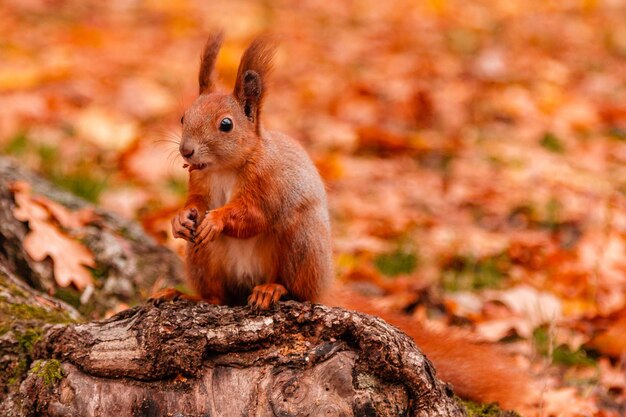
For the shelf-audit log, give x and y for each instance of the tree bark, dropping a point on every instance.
(194, 359)
(24, 316)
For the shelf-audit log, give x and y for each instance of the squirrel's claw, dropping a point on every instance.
(180, 231)
(184, 224)
(166, 294)
(265, 296)
(208, 231)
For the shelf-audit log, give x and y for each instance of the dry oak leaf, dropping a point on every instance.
(44, 239)
(68, 219)
(612, 341)
(566, 402)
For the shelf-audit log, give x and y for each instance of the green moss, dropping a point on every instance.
(400, 261)
(177, 186)
(69, 295)
(23, 323)
(462, 41)
(542, 341)
(27, 339)
(617, 133)
(84, 184)
(467, 273)
(553, 214)
(16, 311)
(552, 143)
(17, 145)
(72, 297)
(11, 288)
(486, 410)
(17, 372)
(48, 370)
(565, 356)
(83, 178)
(125, 232)
(100, 272)
(13, 312)
(560, 355)
(48, 155)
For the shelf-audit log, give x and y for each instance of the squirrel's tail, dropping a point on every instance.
(479, 372)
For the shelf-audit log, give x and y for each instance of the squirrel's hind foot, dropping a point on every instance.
(170, 294)
(265, 296)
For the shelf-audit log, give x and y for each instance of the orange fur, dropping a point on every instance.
(172, 294)
(258, 228)
(206, 77)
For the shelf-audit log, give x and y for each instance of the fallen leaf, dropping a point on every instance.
(612, 377)
(612, 341)
(66, 218)
(537, 307)
(519, 310)
(69, 257)
(566, 402)
(107, 129)
(496, 330)
(144, 98)
(125, 201)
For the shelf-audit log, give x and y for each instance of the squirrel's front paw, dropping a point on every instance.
(209, 230)
(184, 224)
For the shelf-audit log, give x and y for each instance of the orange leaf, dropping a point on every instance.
(69, 257)
(66, 218)
(612, 341)
(42, 208)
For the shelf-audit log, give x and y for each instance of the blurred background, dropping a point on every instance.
(473, 151)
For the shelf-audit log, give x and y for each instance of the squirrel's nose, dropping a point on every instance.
(187, 151)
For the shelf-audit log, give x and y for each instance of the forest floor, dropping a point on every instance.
(474, 152)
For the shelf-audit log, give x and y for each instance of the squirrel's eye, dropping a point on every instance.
(226, 125)
(181, 119)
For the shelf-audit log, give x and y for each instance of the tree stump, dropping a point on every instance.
(195, 359)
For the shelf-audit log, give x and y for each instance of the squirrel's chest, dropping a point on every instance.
(243, 260)
(221, 187)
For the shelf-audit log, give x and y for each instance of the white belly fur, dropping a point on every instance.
(242, 259)
(222, 187)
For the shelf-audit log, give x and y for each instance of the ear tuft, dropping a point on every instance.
(206, 77)
(254, 69)
(252, 91)
(252, 85)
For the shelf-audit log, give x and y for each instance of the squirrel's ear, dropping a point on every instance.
(255, 67)
(206, 77)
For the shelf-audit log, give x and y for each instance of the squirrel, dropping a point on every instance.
(258, 228)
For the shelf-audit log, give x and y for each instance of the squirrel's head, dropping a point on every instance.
(222, 130)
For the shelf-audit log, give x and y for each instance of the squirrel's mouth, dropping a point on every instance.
(193, 167)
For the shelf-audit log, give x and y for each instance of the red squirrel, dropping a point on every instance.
(258, 230)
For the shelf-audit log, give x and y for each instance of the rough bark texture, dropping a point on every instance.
(128, 262)
(24, 315)
(194, 359)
